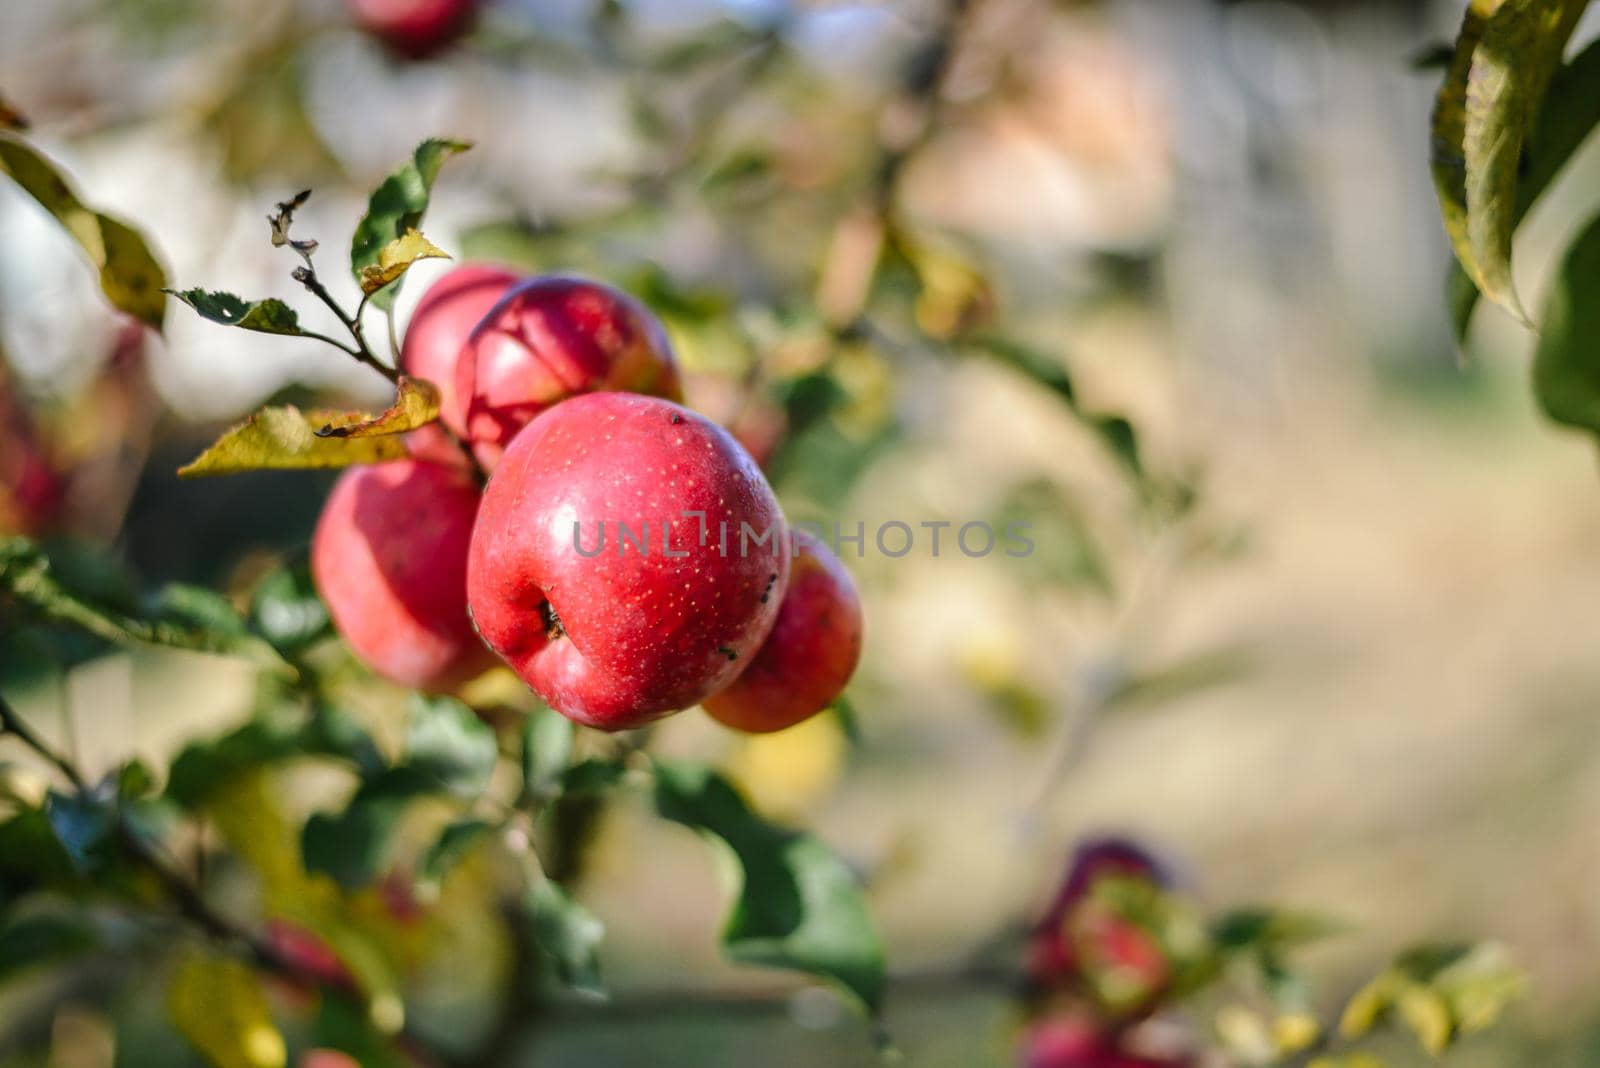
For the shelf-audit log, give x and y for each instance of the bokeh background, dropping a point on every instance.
(1327, 638)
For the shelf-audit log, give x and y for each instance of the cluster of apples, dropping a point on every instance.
(565, 390)
(1093, 974)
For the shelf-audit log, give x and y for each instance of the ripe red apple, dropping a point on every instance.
(810, 654)
(1082, 941)
(389, 557)
(609, 635)
(308, 954)
(550, 338)
(415, 28)
(440, 325)
(1076, 1042)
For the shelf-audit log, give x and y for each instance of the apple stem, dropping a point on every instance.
(552, 622)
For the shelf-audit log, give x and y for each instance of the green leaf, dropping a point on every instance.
(286, 610)
(567, 935)
(1272, 930)
(31, 856)
(451, 745)
(1566, 361)
(546, 750)
(354, 846)
(36, 939)
(1480, 986)
(591, 778)
(1571, 110)
(30, 577)
(454, 843)
(1506, 55)
(800, 906)
(396, 258)
(131, 278)
(218, 1005)
(269, 316)
(397, 206)
(204, 767)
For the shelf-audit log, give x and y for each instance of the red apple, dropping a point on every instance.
(554, 337)
(439, 328)
(415, 28)
(1082, 941)
(308, 954)
(609, 635)
(390, 559)
(1076, 1042)
(810, 654)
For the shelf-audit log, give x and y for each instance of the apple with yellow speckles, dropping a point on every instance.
(628, 560)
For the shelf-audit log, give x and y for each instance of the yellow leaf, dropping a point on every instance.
(129, 275)
(396, 258)
(286, 437)
(1295, 1031)
(218, 1005)
(1427, 1013)
(415, 403)
(1367, 1007)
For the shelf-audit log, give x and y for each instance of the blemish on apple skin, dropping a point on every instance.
(731, 653)
(766, 594)
(677, 419)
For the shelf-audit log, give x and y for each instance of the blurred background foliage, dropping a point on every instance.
(1162, 278)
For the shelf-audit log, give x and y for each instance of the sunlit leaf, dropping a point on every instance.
(131, 278)
(287, 438)
(416, 404)
(217, 1004)
(397, 206)
(1571, 110)
(396, 258)
(567, 935)
(269, 316)
(800, 906)
(1506, 55)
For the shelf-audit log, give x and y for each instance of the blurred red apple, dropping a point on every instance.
(307, 953)
(415, 28)
(811, 653)
(588, 577)
(1082, 941)
(554, 337)
(1076, 1042)
(389, 557)
(439, 328)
